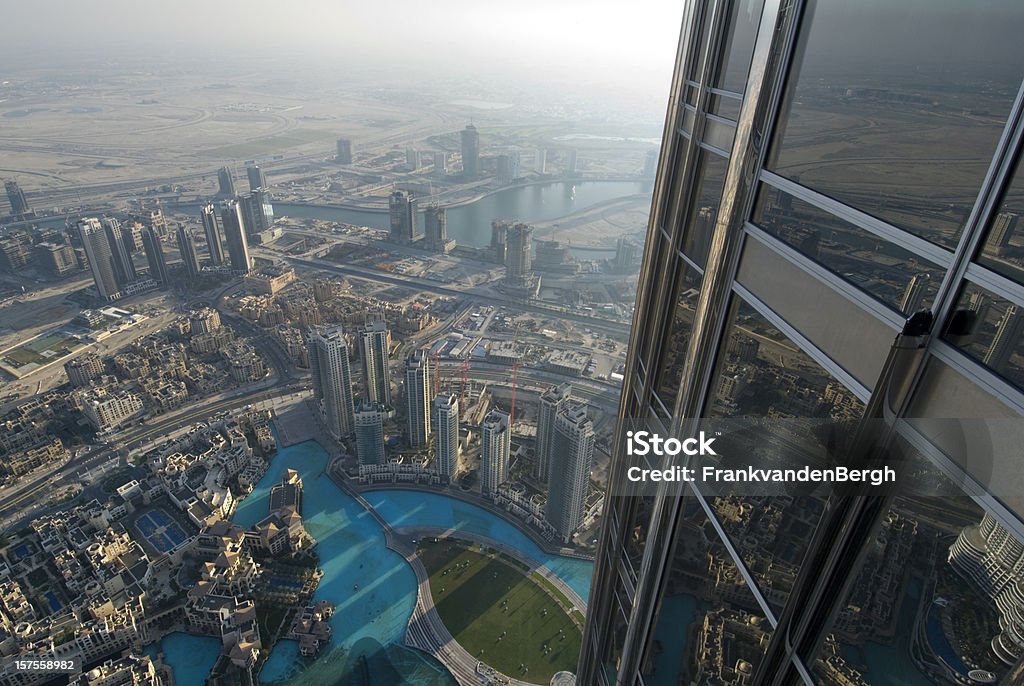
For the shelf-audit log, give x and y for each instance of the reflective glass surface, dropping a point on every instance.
(704, 211)
(896, 107)
(991, 330)
(936, 600)
(673, 351)
(763, 374)
(1003, 250)
(742, 30)
(898, 278)
(708, 626)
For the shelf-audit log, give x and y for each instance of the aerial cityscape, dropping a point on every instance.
(314, 366)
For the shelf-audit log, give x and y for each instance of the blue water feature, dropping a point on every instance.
(413, 508)
(190, 657)
(373, 588)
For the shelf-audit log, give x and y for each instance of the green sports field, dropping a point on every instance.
(500, 612)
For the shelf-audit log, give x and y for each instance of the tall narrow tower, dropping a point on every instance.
(552, 401)
(446, 430)
(124, 268)
(495, 446)
(332, 378)
(369, 428)
(374, 347)
(189, 254)
(101, 260)
(234, 232)
(572, 456)
(208, 214)
(226, 183)
(470, 139)
(417, 397)
(154, 255)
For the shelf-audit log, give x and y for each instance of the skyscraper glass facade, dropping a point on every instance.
(828, 169)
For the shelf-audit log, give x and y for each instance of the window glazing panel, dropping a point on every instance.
(895, 108)
(708, 627)
(673, 350)
(725, 106)
(703, 212)
(763, 374)
(719, 133)
(739, 47)
(1003, 250)
(991, 330)
(939, 563)
(902, 280)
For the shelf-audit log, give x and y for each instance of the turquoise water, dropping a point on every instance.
(412, 508)
(373, 588)
(190, 657)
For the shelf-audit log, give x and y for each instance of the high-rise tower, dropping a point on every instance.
(101, 258)
(572, 455)
(344, 151)
(470, 139)
(189, 254)
(332, 378)
(446, 432)
(208, 215)
(124, 268)
(495, 446)
(552, 402)
(257, 179)
(417, 397)
(375, 351)
(519, 255)
(155, 257)
(369, 428)
(16, 197)
(226, 183)
(404, 218)
(235, 235)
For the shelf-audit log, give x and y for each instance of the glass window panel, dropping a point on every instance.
(699, 47)
(691, 94)
(677, 337)
(897, 277)
(704, 211)
(708, 627)
(991, 330)
(689, 114)
(742, 31)
(725, 106)
(896, 109)
(937, 563)
(763, 374)
(1003, 250)
(719, 133)
(674, 193)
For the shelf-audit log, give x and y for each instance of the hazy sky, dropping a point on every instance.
(625, 41)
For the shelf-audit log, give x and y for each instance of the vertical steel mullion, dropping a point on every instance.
(649, 577)
(596, 637)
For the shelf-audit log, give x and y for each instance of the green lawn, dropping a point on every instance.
(498, 613)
